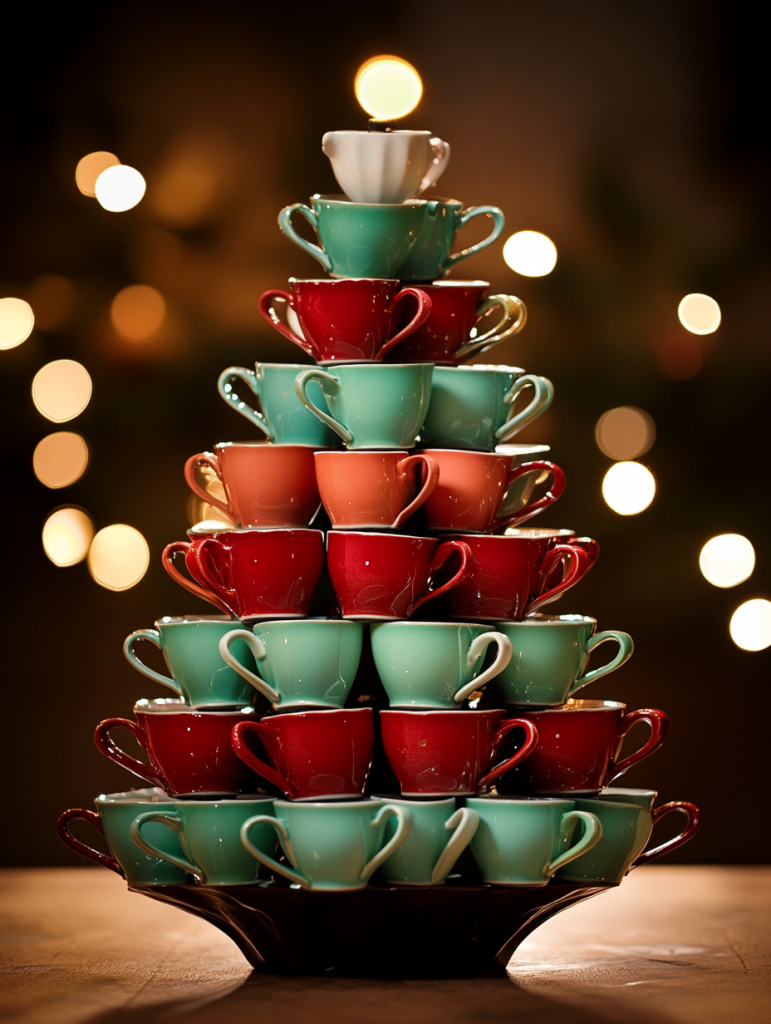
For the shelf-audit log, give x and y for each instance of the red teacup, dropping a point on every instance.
(389, 576)
(473, 492)
(253, 573)
(564, 536)
(314, 755)
(348, 320)
(578, 748)
(372, 489)
(190, 752)
(436, 753)
(265, 484)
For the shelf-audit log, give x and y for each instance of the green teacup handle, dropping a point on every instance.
(210, 460)
(592, 835)
(155, 638)
(173, 822)
(476, 211)
(692, 826)
(478, 645)
(63, 831)
(542, 399)
(257, 647)
(465, 822)
(285, 223)
(328, 384)
(531, 742)
(513, 320)
(403, 828)
(625, 650)
(225, 388)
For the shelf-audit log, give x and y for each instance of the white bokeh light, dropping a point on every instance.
(119, 557)
(699, 313)
(727, 560)
(628, 488)
(67, 534)
(16, 322)
(119, 188)
(530, 253)
(388, 87)
(751, 625)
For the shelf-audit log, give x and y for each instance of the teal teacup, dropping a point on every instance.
(432, 257)
(331, 846)
(435, 664)
(190, 646)
(210, 834)
(439, 835)
(471, 406)
(549, 657)
(526, 841)
(112, 818)
(281, 417)
(357, 239)
(371, 405)
(303, 663)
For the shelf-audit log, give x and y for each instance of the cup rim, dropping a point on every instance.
(455, 283)
(443, 711)
(397, 131)
(457, 625)
(465, 451)
(531, 800)
(177, 706)
(378, 533)
(412, 802)
(261, 529)
(517, 450)
(363, 802)
(623, 790)
(369, 364)
(479, 367)
(537, 619)
(154, 794)
(247, 798)
(266, 445)
(280, 715)
(402, 452)
(340, 199)
(342, 280)
(181, 620)
(573, 704)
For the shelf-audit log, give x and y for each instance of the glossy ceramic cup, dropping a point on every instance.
(471, 406)
(385, 167)
(449, 753)
(190, 646)
(302, 663)
(439, 835)
(626, 832)
(280, 417)
(579, 746)
(590, 548)
(525, 842)
(265, 484)
(389, 576)
(373, 490)
(435, 664)
(210, 835)
(550, 657)
(371, 405)
(190, 752)
(112, 819)
(451, 333)
(252, 573)
(312, 755)
(332, 847)
(431, 256)
(369, 240)
(347, 320)
(479, 492)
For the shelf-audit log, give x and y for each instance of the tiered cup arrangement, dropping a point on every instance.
(260, 765)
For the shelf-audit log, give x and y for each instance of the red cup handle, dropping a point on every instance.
(168, 564)
(205, 459)
(421, 315)
(441, 555)
(692, 826)
(659, 724)
(264, 770)
(63, 832)
(531, 742)
(221, 595)
(107, 746)
(428, 486)
(554, 492)
(577, 566)
(274, 320)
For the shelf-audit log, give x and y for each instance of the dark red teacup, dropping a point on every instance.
(563, 536)
(448, 753)
(190, 752)
(312, 755)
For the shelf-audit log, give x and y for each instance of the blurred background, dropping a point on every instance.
(635, 136)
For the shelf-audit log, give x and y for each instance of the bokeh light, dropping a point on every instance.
(751, 625)
(61, 390)
(727, 560)
(680, 358)
(67, 535)
(60, 459)
(90, 167)
(16, 322)
(388, 87)
(137, 312)
(119, 557)
(53, 300)
(625, 433)
(628, 488)
(530, 253)
(119, 188)
(699, 314)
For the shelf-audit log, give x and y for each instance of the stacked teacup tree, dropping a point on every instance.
(407, 450)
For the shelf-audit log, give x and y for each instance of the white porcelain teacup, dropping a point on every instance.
(385, 167)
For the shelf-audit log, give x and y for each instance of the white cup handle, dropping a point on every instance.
(465, 822)
(403, 828)
(257, 647)
(479, 644)
(441, 151)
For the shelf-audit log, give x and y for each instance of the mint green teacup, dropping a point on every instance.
(471, 406)
(550, 654)
(432, 257)
(210, 834)
(303, 663)
(331, 846)
(371, 405)
(526, 841)
(435, 664)
(357, 239)
(439, 835)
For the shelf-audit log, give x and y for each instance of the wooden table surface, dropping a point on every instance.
(672, 944)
